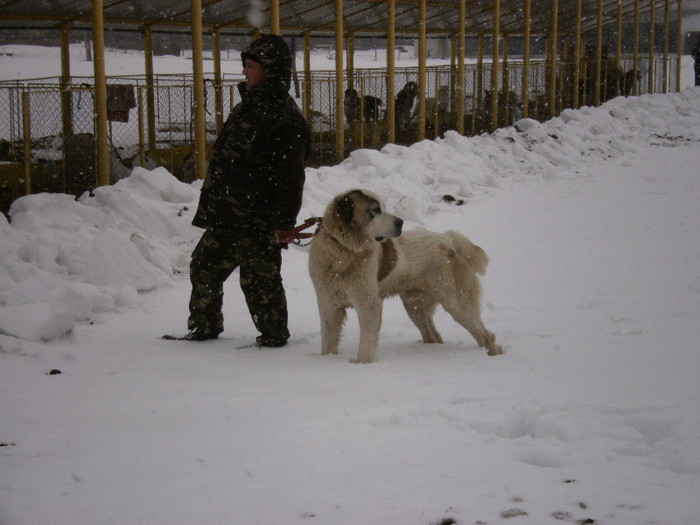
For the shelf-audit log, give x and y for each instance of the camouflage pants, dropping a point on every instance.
(216, 256)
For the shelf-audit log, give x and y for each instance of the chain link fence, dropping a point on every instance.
(47, 130)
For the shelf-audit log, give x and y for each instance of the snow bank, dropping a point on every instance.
(64, 260)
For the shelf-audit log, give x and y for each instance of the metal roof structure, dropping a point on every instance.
(360, 17)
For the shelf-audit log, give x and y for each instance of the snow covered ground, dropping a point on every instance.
(591, 223)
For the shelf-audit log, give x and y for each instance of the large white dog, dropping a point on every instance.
(359, 257)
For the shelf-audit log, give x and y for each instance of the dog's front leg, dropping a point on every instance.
(332, 319)
(369, 314)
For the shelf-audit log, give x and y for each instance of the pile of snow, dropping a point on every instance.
(63, 260)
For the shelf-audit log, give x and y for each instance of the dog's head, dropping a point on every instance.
(358, 217)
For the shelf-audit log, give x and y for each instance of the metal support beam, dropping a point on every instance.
(101, 132)
(339, 128)
(494, 64)
(218, 93)
(461, 81)
(598, 52)
(66, 96)
(27, 136)
(421, 69)
(577, 56)
(390, 88)
(526, 59)
(200, 137)
(553, 59)
(652, 13)
(306, 91)
(275, 17)
(666, 13)
(635, 51)
(350, 52)
(150, 98)
(679, 45)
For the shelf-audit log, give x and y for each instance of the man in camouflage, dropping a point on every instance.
(253, 186)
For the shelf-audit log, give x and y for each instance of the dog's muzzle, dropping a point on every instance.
(394, 231)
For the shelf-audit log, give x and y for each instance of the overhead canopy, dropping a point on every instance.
(361, 17)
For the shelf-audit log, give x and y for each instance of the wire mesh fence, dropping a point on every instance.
(47, 127)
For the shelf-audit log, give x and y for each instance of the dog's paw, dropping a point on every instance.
(495, 350)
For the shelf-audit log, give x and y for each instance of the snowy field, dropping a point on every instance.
(592, 415)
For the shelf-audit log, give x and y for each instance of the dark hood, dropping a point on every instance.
(272, 53)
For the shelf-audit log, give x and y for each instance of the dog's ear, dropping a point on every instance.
(344, 208)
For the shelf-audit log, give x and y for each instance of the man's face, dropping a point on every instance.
(254, 73)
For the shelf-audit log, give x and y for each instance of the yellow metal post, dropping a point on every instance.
(494, 64)
(577, 56)
(526, 59)
(351, 60)
(421, 69)
(275, 17)
(480, 70)
(306, 92)
(218, 94)
(200, 137)
(66, 100)
(666, 13)
(27, 135)
(390, 90)
(553, 64)
(142, 149)
(598, 52)
(652, 15)
(618, 51)
(150, 97)
(339, 128)
(461, 80)
(635, 51)
(101, 132)
(679, 45)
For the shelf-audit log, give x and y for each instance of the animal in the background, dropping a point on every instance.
(629, 79)
(403, 104)
(353, 110)
(360, 256)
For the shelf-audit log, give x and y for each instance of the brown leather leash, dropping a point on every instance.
(295, 235)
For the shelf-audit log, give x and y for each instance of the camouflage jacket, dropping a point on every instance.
(255, 178)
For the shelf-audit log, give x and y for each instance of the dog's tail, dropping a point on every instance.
(473, 254)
